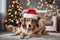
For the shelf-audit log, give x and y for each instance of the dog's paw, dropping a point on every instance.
(27, 37)
(21, 37)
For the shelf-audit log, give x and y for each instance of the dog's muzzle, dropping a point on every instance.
(22, 25)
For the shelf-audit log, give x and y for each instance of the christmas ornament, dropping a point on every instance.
(12, 21)
(13, 2)
(49, 1)
(5, 20)
(9, 6)
(15, 12)
(12, 5)
(15, 16)
(17, 6)
(11, 15)
(9, 19)
(9, 10)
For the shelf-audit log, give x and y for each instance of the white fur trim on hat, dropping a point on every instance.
(33, 16)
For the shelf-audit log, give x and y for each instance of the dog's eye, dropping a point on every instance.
(27, 20)
(32, 20)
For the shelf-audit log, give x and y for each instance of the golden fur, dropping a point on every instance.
(36, 29)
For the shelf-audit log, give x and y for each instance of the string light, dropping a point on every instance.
(9, 13)
(37, 6)
(47, 5)
(42, 5)
(51, 6)
(15, 17)
(6, 25)
(15, 12)
(54, 1)
(45, 2)
(28, 0)
(9, 6)
(41, 0)
(57, 10)
(13, 2)
(12, 5)
(9, 19)
(20, 6)
(38, 2)
(17, 6)
(56, 6)
(9, 10)
(5, 20)
(12, 21)
(59, 14)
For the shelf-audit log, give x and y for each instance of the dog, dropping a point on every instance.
(32, 28)
(31, 25)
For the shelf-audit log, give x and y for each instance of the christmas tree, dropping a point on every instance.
(13, 14)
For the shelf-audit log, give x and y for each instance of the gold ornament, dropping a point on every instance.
(15, 12)
(13, 2)
(21, 7)
(9, 19)
(11, 15)
(51, 6)
(5, 20)
(12, 21)
(9, 6)
(17, 6)
(9, 10)
(16, 1)
(12, 5)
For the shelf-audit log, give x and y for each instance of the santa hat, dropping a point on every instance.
(31, 14)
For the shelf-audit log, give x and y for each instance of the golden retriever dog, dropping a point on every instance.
(32, 28)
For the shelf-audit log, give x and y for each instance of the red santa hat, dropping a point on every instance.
(31, 14)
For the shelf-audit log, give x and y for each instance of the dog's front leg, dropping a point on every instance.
(22, 35)
(34, 35)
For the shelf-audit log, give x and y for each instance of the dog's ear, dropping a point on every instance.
(23, 22)
(38, 18)
(37, 21)
(22, 19)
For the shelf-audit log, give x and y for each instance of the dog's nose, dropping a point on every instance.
(29, 26)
